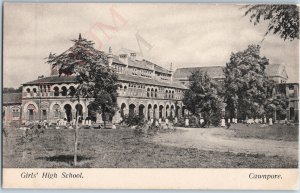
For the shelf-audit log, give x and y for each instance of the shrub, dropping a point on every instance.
(134, 120)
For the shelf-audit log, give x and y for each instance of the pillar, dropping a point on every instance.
(164, 113)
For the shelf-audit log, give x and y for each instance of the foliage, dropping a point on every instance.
(276, 104)
(202, 98)
(96, 80)
(180, 122)
(248, 91)
(246, 85)
(283, 19)
(134, 120)
(33, 131)
(12, 90)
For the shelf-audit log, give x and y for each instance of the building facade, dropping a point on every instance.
(144, 88)
(11, 109)
(275, 72)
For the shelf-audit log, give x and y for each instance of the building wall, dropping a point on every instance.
(11, 114)
(45, 102)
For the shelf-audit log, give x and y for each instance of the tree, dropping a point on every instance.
(96, 81)
(283, 19)
(202, 98)
(276, 104)
(12, 90)
(246, 83)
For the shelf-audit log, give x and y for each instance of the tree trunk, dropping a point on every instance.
(104, 118)
(76, 136)
(76, 141)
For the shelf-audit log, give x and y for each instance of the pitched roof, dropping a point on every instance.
(122, 77)
(12, 98)
(276, 70)
(215, 72)
(143, 64)
(52, 79)
(137, 79)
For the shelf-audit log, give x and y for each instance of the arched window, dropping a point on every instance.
(56, 91)
(56, 111)
(152, 92)
(28, 90)
(148, 92)
(64, 91)
(34, 90)
(155, 94)
(72, 91)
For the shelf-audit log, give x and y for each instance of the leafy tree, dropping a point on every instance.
(276, 104)
(246, 83)
(202, 98)
(12, 90)
(95, 79)
(283, 19)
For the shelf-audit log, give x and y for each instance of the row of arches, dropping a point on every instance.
(57, 90)
(151, 111)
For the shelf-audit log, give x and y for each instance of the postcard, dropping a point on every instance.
(150, 96)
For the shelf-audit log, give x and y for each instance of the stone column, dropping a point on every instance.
(164, 113)
(151, 113)
(168, 112)
(157, 113)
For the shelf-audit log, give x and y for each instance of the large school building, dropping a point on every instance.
(144, 88)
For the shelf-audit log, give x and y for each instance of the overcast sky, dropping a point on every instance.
(186, 35)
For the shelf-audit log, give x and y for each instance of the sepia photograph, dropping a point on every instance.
(174, 85)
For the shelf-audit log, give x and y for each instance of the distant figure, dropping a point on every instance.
(228, 125)
(270, 121)
(222, 122)
(186, 122)
(156, 123)
(175, 120)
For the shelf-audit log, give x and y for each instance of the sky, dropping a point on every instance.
(186, 35)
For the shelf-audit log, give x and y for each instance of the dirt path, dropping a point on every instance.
(218, 139)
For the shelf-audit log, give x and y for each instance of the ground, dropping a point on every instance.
(237, 147)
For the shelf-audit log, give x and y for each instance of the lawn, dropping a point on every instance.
(275, 132)
(100, 148)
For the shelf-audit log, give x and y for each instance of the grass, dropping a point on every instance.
(122, 149)
(275, 132)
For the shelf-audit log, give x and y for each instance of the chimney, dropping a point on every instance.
(110, 57)
(171, 71)
(53, 70)
(124, 58)
(132, 56)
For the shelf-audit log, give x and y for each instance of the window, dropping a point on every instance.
(64, 91)
(56, 91)
(15, 113)
(72, 91)
(44, 114)
(30, 111)
(56, 111)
